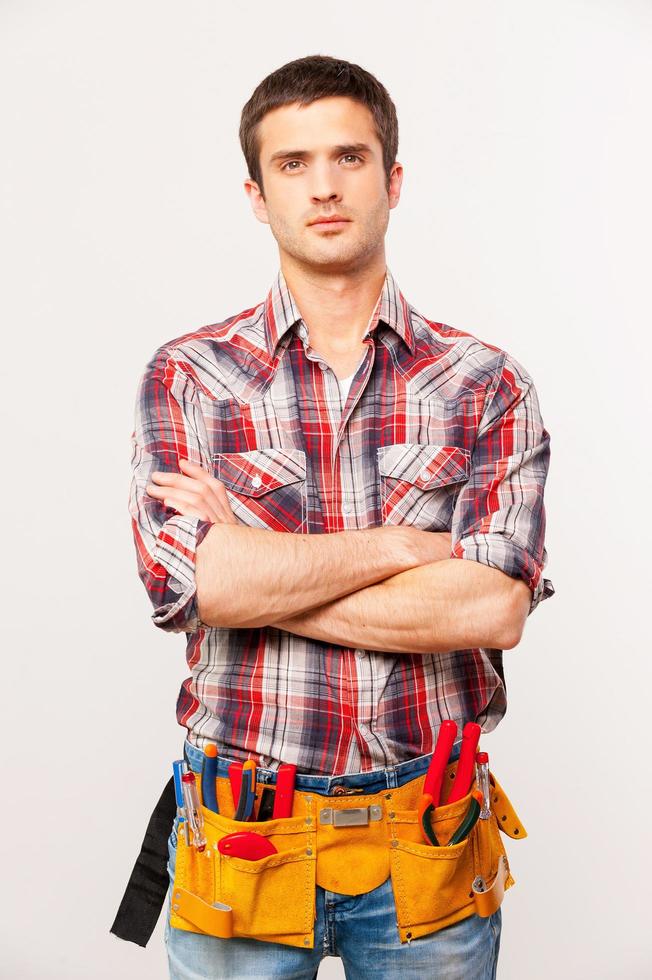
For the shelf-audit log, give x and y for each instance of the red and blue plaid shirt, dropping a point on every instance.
(439, 430)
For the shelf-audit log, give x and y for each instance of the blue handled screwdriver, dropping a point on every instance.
(208, 777)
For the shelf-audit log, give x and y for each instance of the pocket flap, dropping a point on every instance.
(258, 471)
(425, 466)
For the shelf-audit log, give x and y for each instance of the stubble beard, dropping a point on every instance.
(352, 247)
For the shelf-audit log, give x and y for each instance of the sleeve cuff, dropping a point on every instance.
(500, 552)
(176, 550)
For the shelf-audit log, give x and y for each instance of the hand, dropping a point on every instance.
(193, 493)
(430, 546)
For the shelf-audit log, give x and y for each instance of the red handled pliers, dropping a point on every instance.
(431, 792)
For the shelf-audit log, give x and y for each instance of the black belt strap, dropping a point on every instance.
(145, 893)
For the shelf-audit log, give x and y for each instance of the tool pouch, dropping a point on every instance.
(348, 844)
(272, 899)
(437, 886)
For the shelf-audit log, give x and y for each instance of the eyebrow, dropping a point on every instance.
(342, 148)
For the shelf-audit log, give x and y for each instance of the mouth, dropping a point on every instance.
(330, 224)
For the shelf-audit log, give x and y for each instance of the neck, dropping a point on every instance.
(336, 308)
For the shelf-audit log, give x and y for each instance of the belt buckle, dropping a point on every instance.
(358, 816)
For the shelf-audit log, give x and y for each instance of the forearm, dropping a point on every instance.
(447, 605)
(249, 577)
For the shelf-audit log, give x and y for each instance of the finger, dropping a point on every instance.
(185, 503)
(176, 480)
(199, 473)
(181, 500)
(194, 469)
(209, 480)
(210, 489)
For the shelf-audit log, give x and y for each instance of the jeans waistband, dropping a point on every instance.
(372, 781)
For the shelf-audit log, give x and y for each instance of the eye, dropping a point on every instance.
(354, 155)
(288, 164)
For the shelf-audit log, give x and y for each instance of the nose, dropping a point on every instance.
(324, 186)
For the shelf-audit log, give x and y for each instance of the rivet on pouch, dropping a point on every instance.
(309, 850)
(306, 942)
(178, 896)
(394, 843)
(176, 908)
(392, 815)
(308, 819)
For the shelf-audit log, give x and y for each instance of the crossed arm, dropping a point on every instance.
(392, 589)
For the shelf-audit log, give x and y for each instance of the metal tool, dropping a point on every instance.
(209, 777)
(235, 778)
(439, 760)
(469, 821)
(466, 762)
(284, 790)
(431, 791)
(482, 761)
(178, 769)
(247, 797)
(194, 815)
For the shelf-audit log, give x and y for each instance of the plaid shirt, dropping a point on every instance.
(439, 430)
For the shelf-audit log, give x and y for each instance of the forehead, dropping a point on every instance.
(324, 123)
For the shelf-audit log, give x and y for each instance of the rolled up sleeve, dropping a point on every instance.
(168, 425)
(499, 517)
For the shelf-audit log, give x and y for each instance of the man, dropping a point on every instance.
(390, 447)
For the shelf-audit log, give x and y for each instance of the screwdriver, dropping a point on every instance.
(482, 760)
(208, 777)
(194, 815)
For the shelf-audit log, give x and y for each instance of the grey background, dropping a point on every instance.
(524, 219)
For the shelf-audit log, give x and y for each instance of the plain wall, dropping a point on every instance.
(524, 219)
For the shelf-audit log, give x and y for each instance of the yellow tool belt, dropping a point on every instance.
(379, 835)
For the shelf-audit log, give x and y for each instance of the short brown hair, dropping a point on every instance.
(304, 81)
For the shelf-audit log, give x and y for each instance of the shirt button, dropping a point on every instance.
(322, 366)
(360, 653)
(424, 474)
(256, 482)
(346, 508)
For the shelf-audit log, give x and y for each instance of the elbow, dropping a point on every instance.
(209, 611)
(212, 607)
(517, 607)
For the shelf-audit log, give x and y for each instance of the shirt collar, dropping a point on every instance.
(282, 313)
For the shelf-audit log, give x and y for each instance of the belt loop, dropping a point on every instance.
(392, 778)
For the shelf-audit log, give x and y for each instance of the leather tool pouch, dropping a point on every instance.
(349, 844)
(272, 899)
(437, 886)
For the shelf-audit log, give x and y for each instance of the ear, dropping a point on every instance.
(256, 200)
(395, 181)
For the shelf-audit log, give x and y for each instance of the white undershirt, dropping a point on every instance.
(345, 384)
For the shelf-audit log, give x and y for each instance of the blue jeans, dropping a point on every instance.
(361, 929)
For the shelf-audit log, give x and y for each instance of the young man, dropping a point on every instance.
(389, 447)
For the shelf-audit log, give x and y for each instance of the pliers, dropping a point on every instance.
(431, 793)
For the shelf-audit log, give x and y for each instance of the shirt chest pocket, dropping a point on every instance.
(419, 484)
(265, 487)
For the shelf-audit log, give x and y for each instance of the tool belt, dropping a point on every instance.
(347, 844)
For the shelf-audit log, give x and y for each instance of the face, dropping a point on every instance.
(321, 160)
